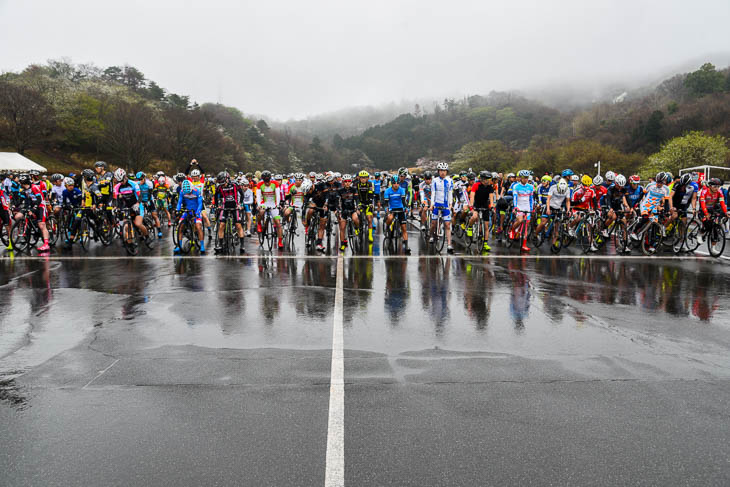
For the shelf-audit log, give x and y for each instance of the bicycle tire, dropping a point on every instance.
(651, 239)
(19, 236)
(83, 233)
(130, 244)
(716, 235)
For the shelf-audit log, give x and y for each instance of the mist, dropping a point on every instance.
(291, 60)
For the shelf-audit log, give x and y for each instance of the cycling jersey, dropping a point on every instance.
(192, 201)
(442, 192)
(482, 194)
(523, 196)
(557, 200)
(600, 192)
(347, 198)
(376, 185)
(424, 189)
(682, 195)
(72, 198)
(542, 193)
(654, 197)
(160, 191)
(614, 197)
(145, 191)
(57, 193)
(227, 196)
(365, 193)
(267, 195)
(634, 195)
(710, 200)
(395, 198)
(127, 196)
(583, 198)
(296, 196)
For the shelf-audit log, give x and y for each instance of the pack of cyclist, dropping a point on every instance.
(516, 208)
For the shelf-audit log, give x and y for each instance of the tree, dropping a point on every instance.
(130, 133)
(705, 80)
(653, 128)
(488, 155)
(112, 74)
(26, 118)
(692, 149)
(154, 92)
(178, 101)
(133, 78)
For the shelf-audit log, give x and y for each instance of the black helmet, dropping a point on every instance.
(57, 177)
(179, 177)
(222, 177)
(427, 175)
(88, 174)
(24, 179)
(685, 179)
(661, 177)
(485, 175)
(100, 164)
(266, 175)
(714, 182)
(471, 175)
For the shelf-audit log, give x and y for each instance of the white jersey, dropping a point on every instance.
(442, 192)
(248, 197)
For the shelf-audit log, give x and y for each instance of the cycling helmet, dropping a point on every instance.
(661, 177)
(195, 173)
(159, 173)
(714, 182)
(347, 177)
(377, 174)
(546, 179)
(88, 174)
(33, 172)
(495, 175)
(120, 174)
(179, 177)
(312, 174)
(337, 175)
(485, 175)
(266, 176)
(586, 180)
(510, 175)
(243, 181)
(610, 176)
(56, 177)
(556, 178)
(634, 179)
(620, 180)
(299, 176)
(101, 164)
(329, 178)
(442, 166)
(695, 176)
(524, 173)
(24, 179)
(140, 175)
(575, 178)
(68, 182)
(598, 180)
(187, 187)
(394, 179)
(562, 186)
(402, 171)
(684, 179)
(162, 179)
(363, 174)
(566, 173)
(278, 177)
(428, 175)
(471, 176)
(222, 177)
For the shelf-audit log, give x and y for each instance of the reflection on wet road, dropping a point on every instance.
(209, 369)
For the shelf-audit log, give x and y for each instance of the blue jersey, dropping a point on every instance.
(72, 198)
(633, 196)
(145, 191)
(192, 201)
(542, 192)
(376, 185)
(395, 198)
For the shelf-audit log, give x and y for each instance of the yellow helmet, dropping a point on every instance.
(586, 180)
(363, 174)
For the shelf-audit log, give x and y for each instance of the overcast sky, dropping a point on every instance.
(303, 57)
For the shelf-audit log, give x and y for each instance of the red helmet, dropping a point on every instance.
(634, 179)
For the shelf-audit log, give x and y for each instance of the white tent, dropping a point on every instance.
(14, 162)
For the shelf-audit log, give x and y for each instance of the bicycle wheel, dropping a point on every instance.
(4, 236)
(149, 240)
(556, 237)
(651, 239)
(691, 235)
(716, 240)
(262, 233)
(351, 235)
(621, 237)
(20, 235)
(584, 238)
(270, 233)
(129, 238)
(83, 233)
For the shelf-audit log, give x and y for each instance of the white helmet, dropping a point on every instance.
(119, 174)
(442, 166)
(243, 181)
(195, 173)
(610, 176)
(161, 179)
(598, 180)
(68, 182)
(620, 180)
(575, 177)
(338, 175)
(562, 187)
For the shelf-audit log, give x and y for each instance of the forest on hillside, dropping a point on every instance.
(74, 114)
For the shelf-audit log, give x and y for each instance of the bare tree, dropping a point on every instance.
(26, 118)
(130, 132)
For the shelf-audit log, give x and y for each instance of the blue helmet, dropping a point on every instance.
(186, 187)
(139, 175)
(567, 173)
(394, 179)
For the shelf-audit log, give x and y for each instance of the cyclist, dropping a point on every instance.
(504, 203)
(558, 199)
(145, 198)
(711, 199)
(295, 197)
(31, 198)
(192, 200)
(197, 179)
(583, 200)
(72, 198)
(634, 193)
(249, 203)
(523, 196)
(347, 197)
(442, 194)
(395, 198)
(318, 208)
(377, 180)
(5, 211)
(424, 191)
(104, 181)
(682, 196)
(161, 193)
(481, 199)
(268, 196)
(126, 195)
(615, 201)
(365, 200)
(656, 194)
(228, 198)
(55, 195)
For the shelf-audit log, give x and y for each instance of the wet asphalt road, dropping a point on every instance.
(458, 371)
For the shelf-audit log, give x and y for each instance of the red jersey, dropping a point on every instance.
(600, 192)
(709, 200)
(583, 198)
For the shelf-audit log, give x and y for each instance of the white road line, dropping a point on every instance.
(706, 253)
(101, 372)
(335, 461)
